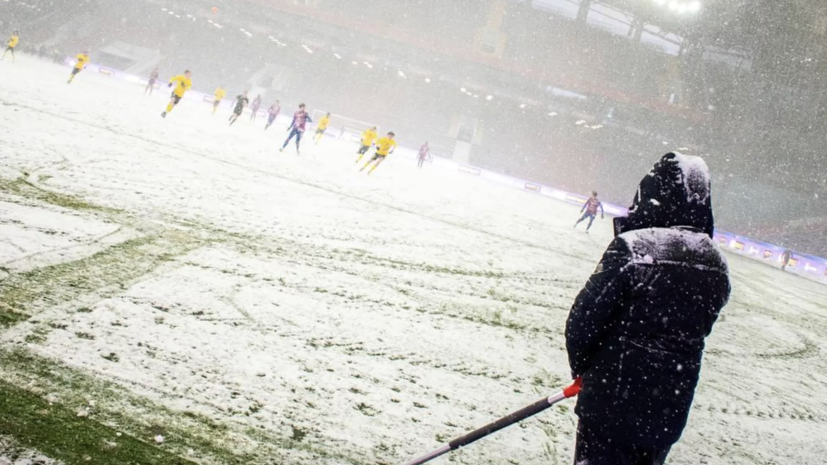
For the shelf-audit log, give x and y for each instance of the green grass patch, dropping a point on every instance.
(22, 187)
(24, 294)
(9, 316)
(60, 433)
(135, 416)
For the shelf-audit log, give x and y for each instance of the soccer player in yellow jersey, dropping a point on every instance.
(11, 45)
(384, 147)
(183, 83)
(367, 140)
(320, 129)
(81, 60)
(220, 93)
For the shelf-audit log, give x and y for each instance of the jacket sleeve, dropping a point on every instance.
(597, 307)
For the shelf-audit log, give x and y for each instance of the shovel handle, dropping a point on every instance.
(518, 416)
(503, 422)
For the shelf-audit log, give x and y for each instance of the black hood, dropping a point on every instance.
(675, 193)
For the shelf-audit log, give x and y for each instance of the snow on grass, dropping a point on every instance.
(33, 236)
(312, 314)
(12, 453)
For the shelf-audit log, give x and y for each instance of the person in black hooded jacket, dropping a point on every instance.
(636, 331)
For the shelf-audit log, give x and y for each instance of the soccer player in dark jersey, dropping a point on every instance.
(153, 78)
(590, 208)
(272, 114)
(254, 107)
(240, 102)
(297, 127)
(424, 154)
(785, 259)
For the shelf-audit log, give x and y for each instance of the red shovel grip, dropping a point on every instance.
(574, 389)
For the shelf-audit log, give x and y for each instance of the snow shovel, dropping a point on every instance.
(503, 422)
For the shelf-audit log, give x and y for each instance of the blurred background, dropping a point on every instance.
(578, 94)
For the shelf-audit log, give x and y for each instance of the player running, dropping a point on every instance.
(153, 78)
(255, 106)
(300, 120)
(424, 153)
(183, 83)
(240, 102)
(11, 44)
(368, 137)
(590, 207)
(81, 60)
(786, 257)
(320, 129)
(220, 93)
(384, 147)
(272, 113)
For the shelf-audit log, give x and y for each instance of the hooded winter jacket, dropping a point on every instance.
(636, 331)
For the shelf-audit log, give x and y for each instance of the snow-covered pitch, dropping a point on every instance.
(181, 277)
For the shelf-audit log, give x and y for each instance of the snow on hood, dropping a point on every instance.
(671, 245)
(676, 192)
(695, 178)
